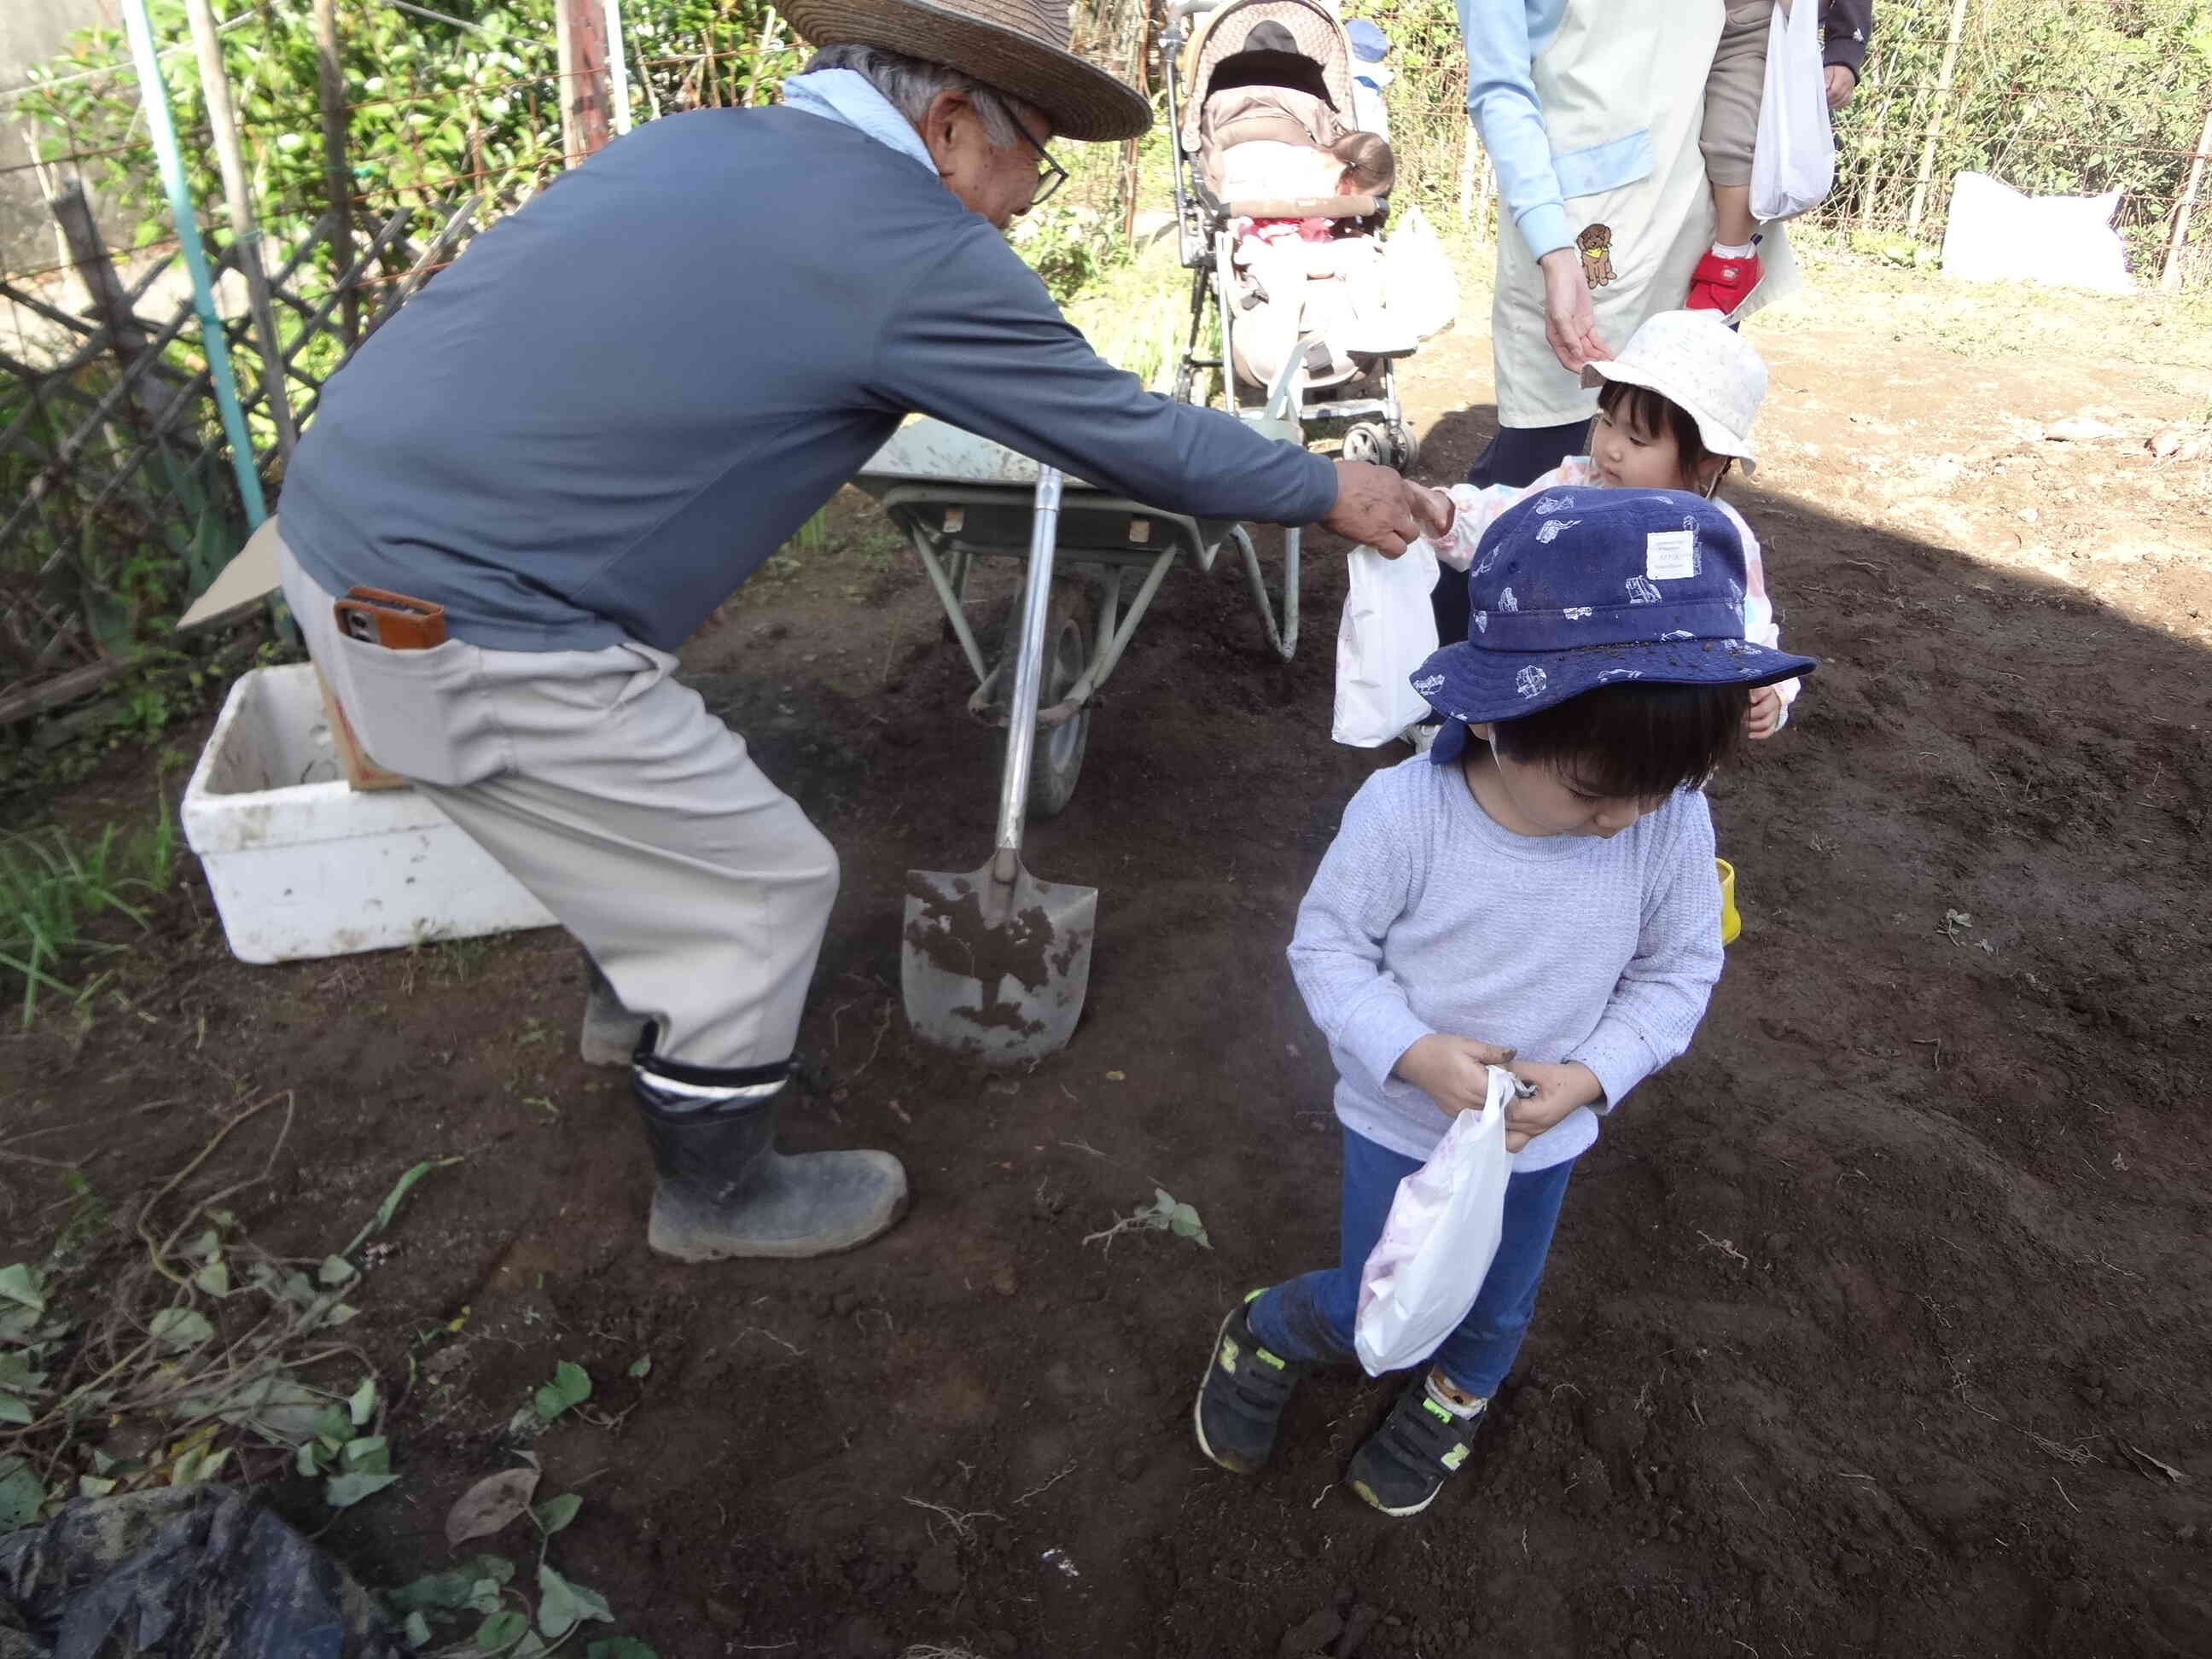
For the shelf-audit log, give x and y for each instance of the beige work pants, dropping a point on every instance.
(637, 818)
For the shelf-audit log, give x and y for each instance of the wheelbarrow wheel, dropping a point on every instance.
(1057, 761)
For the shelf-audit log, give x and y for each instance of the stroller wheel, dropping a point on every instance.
(1368, 442)
(1405, 448)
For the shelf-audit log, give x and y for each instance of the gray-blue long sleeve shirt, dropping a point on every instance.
(1427, 916)
(625, 397)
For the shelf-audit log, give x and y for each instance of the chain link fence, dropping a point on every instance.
(369, 140)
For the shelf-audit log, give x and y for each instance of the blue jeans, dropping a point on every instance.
(1310, 1317)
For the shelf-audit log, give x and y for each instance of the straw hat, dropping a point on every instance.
(1695, 360)
(1014, 47)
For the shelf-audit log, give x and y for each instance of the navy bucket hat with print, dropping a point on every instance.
(1578, 588)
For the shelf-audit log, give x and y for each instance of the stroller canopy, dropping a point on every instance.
(1315, 35)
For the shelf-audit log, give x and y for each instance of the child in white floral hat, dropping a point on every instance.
(1674, 412)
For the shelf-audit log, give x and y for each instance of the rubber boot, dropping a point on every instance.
(723, 1190)
(611, 1033)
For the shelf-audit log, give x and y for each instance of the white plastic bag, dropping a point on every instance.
(1417, 281)
(1425, 1271)
(1995, 234)
(1388, 631)
(1793, 164)
(1369, 112)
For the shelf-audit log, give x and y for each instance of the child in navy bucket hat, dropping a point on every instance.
(1537, 892)
(1575, 589)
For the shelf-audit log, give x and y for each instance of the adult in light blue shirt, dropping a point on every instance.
(1590, 112)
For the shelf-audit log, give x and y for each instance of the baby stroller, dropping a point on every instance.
(1338, 387)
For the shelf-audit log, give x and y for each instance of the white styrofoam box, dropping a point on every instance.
(303, 865)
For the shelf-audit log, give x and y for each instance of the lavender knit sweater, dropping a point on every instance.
(1425, 916)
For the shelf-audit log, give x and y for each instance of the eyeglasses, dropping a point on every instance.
(1050, 177)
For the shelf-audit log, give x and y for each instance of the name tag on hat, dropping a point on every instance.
(1670, 555)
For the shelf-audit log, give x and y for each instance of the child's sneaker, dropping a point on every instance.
(1242, 1397)
(1406, 1463)
(1722, 282)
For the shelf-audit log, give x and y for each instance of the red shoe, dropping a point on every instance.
(1720, 283)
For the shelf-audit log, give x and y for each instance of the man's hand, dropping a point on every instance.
(1454, 1072)
(1842, 83)
(1569, 323)
(1559, 1090)
(1374, 505)
(1764, 718)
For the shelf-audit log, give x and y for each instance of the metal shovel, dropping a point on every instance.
(996, 963)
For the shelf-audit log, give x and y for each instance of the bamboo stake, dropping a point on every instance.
(126, 335)
(337, 177)
(49, 185)
(244, 231)
(1126, 184)
(1935, 118)
(1467, 149)
(618, 67)
(2170, 279)
(760, 51)
(1872, 188)
(155, 100)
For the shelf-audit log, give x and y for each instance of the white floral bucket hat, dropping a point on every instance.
(1693, 359)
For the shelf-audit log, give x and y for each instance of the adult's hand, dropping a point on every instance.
(1374, 505)
(1569, 323)
(1842, 83)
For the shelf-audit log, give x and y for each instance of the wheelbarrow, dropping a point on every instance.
(994, 963)
(960, 500)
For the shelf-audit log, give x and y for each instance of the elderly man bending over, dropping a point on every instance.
(609, 412)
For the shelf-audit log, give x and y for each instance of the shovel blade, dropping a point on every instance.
(996, 970)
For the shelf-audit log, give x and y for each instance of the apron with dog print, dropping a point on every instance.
(1622, 89)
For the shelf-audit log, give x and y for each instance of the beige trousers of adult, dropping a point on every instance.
(637, 818)
(1733, 91)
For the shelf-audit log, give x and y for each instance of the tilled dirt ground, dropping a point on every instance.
(1869, 1326)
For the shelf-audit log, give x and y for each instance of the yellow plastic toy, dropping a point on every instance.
(1731, 923)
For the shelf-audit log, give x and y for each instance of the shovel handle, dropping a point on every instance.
(1029, 666)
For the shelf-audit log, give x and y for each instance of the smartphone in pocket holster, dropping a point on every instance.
(376, 617)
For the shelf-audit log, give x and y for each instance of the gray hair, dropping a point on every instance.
(912, 84)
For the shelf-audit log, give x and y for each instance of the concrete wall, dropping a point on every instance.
(30, 31)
